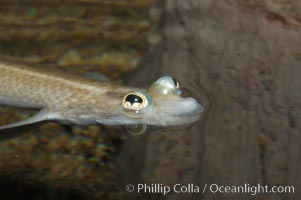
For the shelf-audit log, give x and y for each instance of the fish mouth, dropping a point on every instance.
(194, 112)
(185, 112)
(189, 107)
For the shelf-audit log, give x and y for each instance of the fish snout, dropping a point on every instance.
(188, 107)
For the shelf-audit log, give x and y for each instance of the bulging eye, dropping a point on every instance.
(168, 82)
(167, 85)
(176, 83)
(134, 101)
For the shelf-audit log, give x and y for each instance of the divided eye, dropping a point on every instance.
(134, 101)
(167, 85)
(168, 82)
(177, 84)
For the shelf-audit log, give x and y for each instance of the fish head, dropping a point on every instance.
(162, 105)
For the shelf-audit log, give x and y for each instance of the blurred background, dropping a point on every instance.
(240, 59)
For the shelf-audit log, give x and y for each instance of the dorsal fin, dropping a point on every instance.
(97, 76)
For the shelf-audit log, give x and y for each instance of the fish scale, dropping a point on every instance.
(68, 98)
(55, 91)
(46, 88)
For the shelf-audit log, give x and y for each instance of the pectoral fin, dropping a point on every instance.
(40, 116)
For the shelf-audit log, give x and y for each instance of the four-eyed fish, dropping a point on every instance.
(67, 98)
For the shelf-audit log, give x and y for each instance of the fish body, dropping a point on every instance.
(68, 98)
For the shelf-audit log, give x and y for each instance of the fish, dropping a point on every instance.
(68, 98)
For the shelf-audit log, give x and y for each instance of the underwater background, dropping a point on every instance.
(106, 37)
(241, 59)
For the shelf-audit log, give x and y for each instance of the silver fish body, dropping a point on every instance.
(69, 98)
